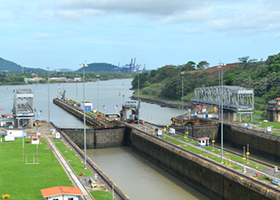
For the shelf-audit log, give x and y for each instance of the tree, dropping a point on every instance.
(190, 66)
(202, 65)
(244, 59)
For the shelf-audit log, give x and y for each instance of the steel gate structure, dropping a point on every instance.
(236, 99)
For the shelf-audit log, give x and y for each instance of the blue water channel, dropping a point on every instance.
(137, 177)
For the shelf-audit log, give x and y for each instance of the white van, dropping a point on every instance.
(171, 131)
(159, 132)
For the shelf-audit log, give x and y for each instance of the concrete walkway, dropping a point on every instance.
(44, 130)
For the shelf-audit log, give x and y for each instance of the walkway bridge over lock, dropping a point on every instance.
(235, 99)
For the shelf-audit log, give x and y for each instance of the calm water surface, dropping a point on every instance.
(137, 177)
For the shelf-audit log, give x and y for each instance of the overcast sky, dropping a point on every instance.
(65, 33)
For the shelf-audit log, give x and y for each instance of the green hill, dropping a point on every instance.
(166, 82)
(9, 66)
(99, 67)
(12, 67)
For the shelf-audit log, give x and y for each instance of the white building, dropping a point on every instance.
(35, 79)
(62, 193)
(7, 120)
(88, 106)
(15, 132)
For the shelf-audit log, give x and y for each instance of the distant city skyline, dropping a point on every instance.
(65, 33)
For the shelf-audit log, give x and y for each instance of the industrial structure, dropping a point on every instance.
(134, 107)
(235, 100)
(23, 108)
(273, 110)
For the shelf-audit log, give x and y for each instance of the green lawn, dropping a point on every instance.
(210, 148)
(239, 159)
(75, 162)
(237, 167)
(25, 181)
(258, 166)
(172, 141)
(101, 195)
(263, 178)
(218, 159)
(194, 150)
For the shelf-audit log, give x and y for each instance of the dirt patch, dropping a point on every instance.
(214, 71)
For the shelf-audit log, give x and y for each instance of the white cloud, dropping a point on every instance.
(162, 10)
(194, 30)
(252, 18)
(44, 36)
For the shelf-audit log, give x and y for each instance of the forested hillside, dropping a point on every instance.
(12, 67)
(166, 82)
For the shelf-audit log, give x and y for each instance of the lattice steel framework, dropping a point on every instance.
(234, 98)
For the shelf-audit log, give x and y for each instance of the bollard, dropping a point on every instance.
(275, 169)
(95, 177)
(257, 174)
(244, 170)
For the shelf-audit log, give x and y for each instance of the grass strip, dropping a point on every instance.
(238, 159)
(210, 148)
(263, 178)
(25, 181)
(74, 161)
(237, 167)
(194, 150)
(101, 195)
(258, 166)
(218, 159)
(172, 141)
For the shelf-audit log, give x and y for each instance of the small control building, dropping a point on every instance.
(87, 106)
(62, 193)
(203, 141)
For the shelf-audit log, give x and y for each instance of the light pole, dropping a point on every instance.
(182, 73)
(221, 65)
(97, 77)
(219, 108)
(48, 95)
(138, 97)
(85, 141)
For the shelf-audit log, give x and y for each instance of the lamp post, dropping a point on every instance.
(97, 77)
(182, 73)
(221, 65)
(48, 95)
(85, 141)
(138, 96)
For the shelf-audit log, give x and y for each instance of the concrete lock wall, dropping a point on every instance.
(265, 145)
(199, 173)
(98, 138)
(198, 132)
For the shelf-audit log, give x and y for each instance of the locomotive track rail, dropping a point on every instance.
(233, 152)
(264, 185)
(118, 193)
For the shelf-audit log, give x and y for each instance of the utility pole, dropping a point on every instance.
(85, 136)
(182, 73)
(48, 96)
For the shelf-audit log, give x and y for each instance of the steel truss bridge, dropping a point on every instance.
(234, 98)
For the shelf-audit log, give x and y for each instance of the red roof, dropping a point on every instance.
(34, 135)
(203, 138)
(6, 114)
(277, 98)
(61, 190)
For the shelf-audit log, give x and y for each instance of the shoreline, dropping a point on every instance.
(161, 102)
(63, 82)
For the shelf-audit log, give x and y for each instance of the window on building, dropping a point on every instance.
(70, 198)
